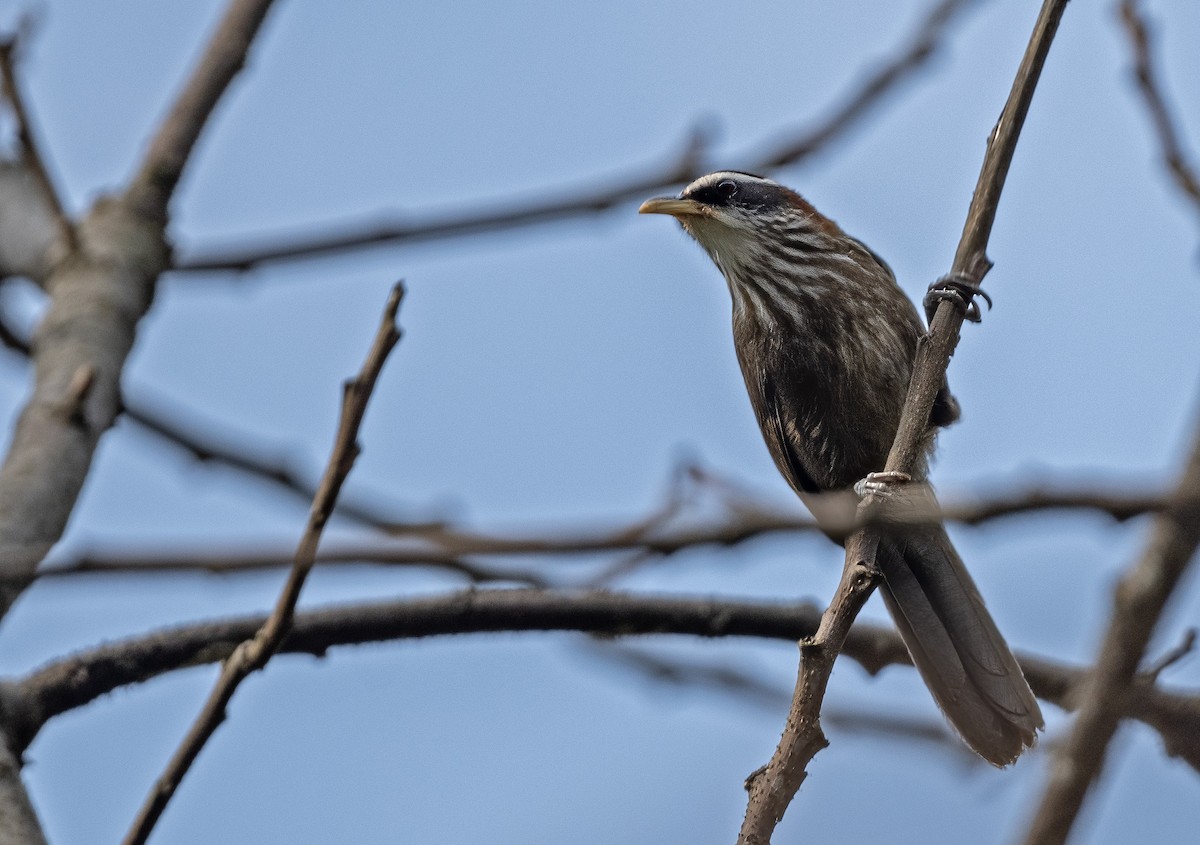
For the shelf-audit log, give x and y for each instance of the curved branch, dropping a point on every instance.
(75, 681)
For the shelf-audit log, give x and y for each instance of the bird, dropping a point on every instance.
(826, 341)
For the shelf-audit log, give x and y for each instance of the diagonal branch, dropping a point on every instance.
(170, 149)
(232, 450)
(74, 681)
(691, 162)
(1141, 596)
(31, 153)
(165, 420)
(1139, 600)
(772, 787)
(253, 652)
(1168, 139)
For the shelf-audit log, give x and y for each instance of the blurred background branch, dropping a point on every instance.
(693, 160)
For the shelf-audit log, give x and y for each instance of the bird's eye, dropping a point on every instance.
(727, 188)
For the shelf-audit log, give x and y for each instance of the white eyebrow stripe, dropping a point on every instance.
(721, 175)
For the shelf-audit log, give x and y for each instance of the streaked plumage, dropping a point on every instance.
(826, 341)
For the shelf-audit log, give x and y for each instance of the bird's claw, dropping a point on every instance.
(880, 484)
(959, 290)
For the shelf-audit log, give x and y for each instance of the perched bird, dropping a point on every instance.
(826, 341)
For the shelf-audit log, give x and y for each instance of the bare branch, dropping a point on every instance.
(72, 682)
(254, 652)
(1142, 594)
(1138, 603)
(691, 162)
(30, 150)
(224, 56)
(1168, 139)
(1181, 650)
(166, 421)
(772, 788)
(231, 449)
(447, 548)
(18, 820)
(871, 90)
(98, 296)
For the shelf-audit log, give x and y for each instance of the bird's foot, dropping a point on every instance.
(959, 290)
(880, 483)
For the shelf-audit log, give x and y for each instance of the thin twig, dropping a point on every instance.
(168, 421)
(1181, 650)
(1138, 603)
(772, 788)
(1173, 155)
(30, 149)
(453, 549)
(233, 451)
(72, 682)
(253, 653)
(690, 162)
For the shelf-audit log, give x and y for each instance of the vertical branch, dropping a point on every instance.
(253, 654)
(772, 787)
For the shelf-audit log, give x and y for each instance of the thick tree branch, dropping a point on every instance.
(693, 161)
(75, 681)
(98, 293)
(97, 297)
(772, 787)
(18, 820)
(1173, 155)
(30, 243)
(1138, 603)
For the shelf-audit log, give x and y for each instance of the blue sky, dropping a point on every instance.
(552, 376)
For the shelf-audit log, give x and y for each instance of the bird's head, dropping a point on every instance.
(732, 214)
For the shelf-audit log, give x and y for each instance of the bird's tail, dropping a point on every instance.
(955, 645)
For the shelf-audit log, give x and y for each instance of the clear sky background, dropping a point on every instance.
(552, 377)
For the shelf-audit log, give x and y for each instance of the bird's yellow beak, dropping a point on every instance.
(674, 207)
